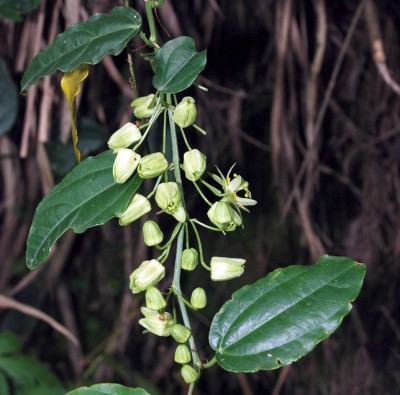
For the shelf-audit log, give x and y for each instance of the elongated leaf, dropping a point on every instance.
(8, 99)
(88, 196)
(85, 42)
(110, 389)
(284, 315)
(177, 64)
(12, 9)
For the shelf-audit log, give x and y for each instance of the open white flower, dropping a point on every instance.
(231, 187)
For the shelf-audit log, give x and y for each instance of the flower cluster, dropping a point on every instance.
(224, 215)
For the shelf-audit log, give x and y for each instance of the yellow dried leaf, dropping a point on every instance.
(70, 84)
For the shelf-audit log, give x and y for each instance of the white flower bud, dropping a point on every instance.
(138, 206)
(154, 299)
(182, 354)
(194, 164)
(224, 216)
(152, 165)
(185, 112)
(125, 164)
(198, 300)
(148, 274)
(180, 333)
(124, 137)
(141, 106)
(152, 234)
(189, 374)
(226, 268)
(190, 259)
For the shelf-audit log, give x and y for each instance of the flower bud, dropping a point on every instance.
(180, 333)
(168, 198)
(194, 164)
(182, 354)
(190, 259)
(125, 164)
(141, 106)
(224, 216)
(138, 206)
(198, 300)
(185, 112)
(148, 274)
(189, 374)
(226, 268)
(152, 165)
(154, 299)
(159, 324)
(152, 234)
(124, 137)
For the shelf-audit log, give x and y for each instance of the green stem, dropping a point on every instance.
(176, 282)
(152, 26)
(200, 246)
(201, 193)
(176, 286)
(210, 363)
(172, 238)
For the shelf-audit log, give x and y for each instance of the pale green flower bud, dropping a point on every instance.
(152, 234)
(226, 268)
(125, 164)
(124, 137)
(189, 374)
(141, 106)
(224, 216)
(194, 164)
(185, 112)
(138, 206)
(180, 333)
(148, 274)
(159, 324)
(154, 299)
(198, 300)
(190, 259)
(152, 165)
(182, 354)
(168, 198)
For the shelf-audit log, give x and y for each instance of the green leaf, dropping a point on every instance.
(12, 9)
(8, 99)
(85, 42)
(9, 343)
(88, 196)
(4, 390)
(284, 315)
(110, 389)
(177, 64)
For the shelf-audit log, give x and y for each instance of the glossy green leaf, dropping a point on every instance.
(85, 42)
(284, 315)
(109, 389)
(12, 9)
(88, 196)
(177, 64)
(8, 99)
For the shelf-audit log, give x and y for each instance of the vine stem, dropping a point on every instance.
(176, 282)
(152, 25)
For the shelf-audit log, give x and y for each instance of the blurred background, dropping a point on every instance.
(304, 97)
